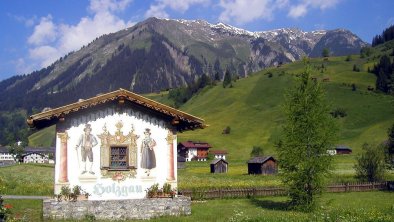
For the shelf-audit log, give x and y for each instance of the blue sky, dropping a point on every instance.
(35, 33)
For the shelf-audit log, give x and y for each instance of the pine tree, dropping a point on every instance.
(308, 134)
(385, 76)
(326, 52)
(227, 79)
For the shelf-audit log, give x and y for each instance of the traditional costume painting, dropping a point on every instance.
(86, 141)
(148, 158)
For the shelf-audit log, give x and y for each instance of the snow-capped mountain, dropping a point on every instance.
(160, 54)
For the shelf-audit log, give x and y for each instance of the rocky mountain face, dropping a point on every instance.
(159, 54)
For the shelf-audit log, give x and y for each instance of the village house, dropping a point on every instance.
(39, 155)
(219, 154)
(262, 165)
(116, 146)
(29, 155)
(191, 150)
(6, 157)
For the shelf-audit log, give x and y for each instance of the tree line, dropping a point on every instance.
(384, 72)
(387, 35)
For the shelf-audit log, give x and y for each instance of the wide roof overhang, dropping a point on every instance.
(182, 121)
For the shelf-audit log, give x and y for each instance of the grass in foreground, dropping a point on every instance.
(26, 210)
(37, 179)
(28, 179)
(356, 206)
(365, 206)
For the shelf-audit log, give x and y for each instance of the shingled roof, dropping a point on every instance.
(182, 120)
(261, 159)
(191, 144)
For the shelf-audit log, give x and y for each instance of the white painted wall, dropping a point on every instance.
(192, 152)
(6, 156)
(220, 156)
(105, 188)
(36, 158)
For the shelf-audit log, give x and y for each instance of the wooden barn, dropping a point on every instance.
(342, 149)
(181, 162)
(219, 166)
(262, 165)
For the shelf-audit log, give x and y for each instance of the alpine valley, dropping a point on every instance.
(159, 54)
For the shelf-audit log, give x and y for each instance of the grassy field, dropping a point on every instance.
(36, 179)
(43, 138)
(252, 108)
(28, 179)
(26, 210)
(362, 206)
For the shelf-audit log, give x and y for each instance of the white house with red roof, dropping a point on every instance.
(191, 150)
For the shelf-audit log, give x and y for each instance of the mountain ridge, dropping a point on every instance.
(158, 54)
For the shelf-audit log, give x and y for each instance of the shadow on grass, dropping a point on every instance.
(269, 204)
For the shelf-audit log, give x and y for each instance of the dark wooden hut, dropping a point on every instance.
(262, 165)
(219, 166)
(342, 149)
(181, 162)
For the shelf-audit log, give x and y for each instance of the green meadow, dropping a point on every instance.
(252, 108)
(357, 206)
(28, 179)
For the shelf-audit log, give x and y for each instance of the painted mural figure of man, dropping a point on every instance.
(148, 158)
(87, 141)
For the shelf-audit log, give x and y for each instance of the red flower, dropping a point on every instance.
(7, 206)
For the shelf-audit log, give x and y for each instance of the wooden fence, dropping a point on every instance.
(275, 191)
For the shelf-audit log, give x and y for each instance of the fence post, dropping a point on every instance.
(346, 187)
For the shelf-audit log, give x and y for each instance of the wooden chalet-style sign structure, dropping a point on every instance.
(262, 165)
(342, 149)
(219, 166)
(115, 145)
(219, 154)
(194, 150)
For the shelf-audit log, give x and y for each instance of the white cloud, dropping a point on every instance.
(157, 11)
(322, 4)
(50, 41)
(297, 11)
(302, 8)
(27, 21)
(98, 6)
(241, 11)
(158, 8)
(44, 54)
(22, 67)
(44, 32)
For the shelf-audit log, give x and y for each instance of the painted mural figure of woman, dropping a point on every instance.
(148, 158)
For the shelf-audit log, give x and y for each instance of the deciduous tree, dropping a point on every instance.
(389, 147)
(256, 151)
(309, 131)
(370, 165)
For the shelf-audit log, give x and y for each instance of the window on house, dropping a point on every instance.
(118, 159)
